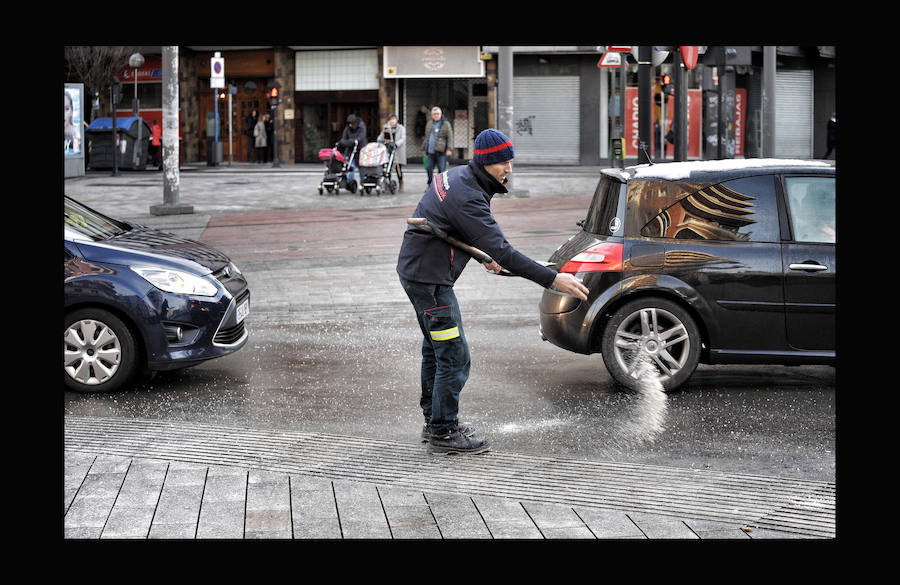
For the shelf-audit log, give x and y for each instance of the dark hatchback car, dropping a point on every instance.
(714, 262)
(138, 299)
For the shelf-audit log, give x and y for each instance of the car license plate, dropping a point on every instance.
(243, 310)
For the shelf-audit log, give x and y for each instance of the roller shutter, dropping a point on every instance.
(794, 114)
(546, 119)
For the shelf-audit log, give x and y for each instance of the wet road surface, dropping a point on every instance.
(334, 348)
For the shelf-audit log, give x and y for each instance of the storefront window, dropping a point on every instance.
(149, 96)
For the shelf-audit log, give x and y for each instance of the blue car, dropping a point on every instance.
(138, 299)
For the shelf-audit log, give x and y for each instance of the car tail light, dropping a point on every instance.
(601, 257)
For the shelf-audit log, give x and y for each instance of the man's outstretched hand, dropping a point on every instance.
(570, 285)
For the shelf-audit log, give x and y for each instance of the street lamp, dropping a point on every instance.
(136, 61)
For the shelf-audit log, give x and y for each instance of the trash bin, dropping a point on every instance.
(133, 140)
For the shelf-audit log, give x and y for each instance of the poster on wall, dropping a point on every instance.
(73, 119)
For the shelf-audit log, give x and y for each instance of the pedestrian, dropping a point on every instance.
(156, 143)
(832, 134)
(421, 122)
(394, 133)
(436, 144)
(354, 130)
(249, 125)
(458, 202)
(259, 139)
(270, 138)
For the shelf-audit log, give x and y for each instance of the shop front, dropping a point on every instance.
(453, 78)
(329, 85)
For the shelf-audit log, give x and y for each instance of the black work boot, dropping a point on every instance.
(455, 441)
(468, 429)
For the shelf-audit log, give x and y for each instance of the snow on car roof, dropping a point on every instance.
(677, 171)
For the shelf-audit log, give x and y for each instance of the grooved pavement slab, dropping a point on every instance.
(143, 478)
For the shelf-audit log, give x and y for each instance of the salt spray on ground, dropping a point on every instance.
(646, 417)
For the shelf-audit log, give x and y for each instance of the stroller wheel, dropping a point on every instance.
(393, 186)
(351, 186)
(320, 188)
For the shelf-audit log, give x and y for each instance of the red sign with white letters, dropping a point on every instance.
(740, 120)
(695, 117)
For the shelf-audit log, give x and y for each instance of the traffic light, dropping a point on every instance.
(665, 81)
(273, 96)
(116, 91)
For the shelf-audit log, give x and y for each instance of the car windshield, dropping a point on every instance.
(81, 222)
(604, 216)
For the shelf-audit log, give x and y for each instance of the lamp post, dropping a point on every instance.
(115, 96)
(136, 61)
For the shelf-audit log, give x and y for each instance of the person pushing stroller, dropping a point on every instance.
(355, 130)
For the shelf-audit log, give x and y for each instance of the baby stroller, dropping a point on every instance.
(371, 158)
(337, 165)
(375, 161)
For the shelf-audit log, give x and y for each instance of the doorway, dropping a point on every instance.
(251, 95)
(320, 118)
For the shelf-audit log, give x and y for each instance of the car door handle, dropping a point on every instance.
(810, 267)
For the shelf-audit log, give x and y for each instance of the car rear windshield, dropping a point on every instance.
(605, 214)
(84, 223)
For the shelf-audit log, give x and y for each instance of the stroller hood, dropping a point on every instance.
(325, 154)
(373, 154)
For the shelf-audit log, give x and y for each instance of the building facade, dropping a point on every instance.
(564, 104)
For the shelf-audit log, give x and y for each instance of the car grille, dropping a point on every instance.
(231, 335)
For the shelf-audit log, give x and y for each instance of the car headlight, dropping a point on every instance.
(176, 281)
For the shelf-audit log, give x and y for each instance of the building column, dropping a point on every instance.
(285, 71)
(188, 103)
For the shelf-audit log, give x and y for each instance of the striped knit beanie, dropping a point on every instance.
(492, 147)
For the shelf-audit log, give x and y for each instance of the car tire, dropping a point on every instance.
(653, 331)
(100, 352)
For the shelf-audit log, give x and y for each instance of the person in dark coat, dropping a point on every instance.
(436, 145)
(270, 137)
(458, 202)
(832, 134)
(354, 130)
(249, 126)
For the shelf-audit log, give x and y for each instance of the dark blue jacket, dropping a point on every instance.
(458, 201)
(350, 135)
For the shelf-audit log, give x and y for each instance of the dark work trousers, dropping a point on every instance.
(445, 353)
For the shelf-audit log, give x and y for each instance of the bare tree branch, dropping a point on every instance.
(94, 66)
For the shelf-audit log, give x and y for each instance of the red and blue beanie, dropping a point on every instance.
(492, 147)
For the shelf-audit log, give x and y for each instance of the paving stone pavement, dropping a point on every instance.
(163, 479)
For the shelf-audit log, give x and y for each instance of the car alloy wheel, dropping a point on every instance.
(651, 331)
(99, 351)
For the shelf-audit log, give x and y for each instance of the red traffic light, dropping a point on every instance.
(665, 82)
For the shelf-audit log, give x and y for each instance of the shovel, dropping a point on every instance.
(483, 257)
